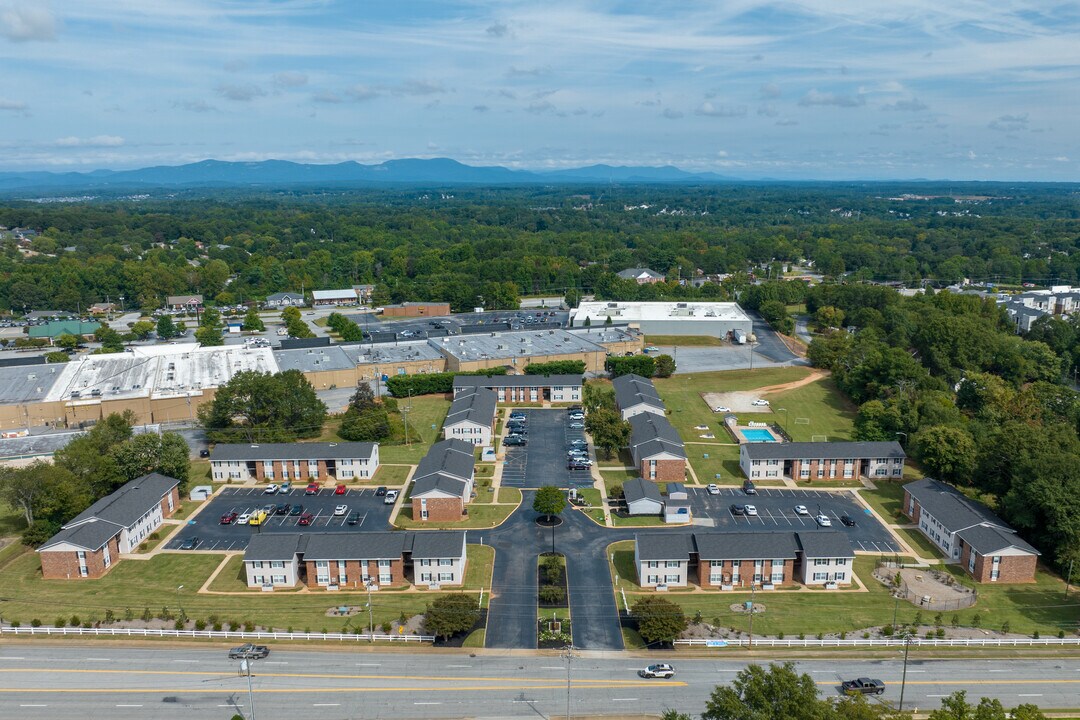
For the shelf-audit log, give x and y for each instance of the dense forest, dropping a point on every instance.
(495, 244)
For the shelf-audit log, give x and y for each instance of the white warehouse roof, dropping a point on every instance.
(632, 312)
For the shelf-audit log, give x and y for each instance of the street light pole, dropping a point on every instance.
(370, 615)
(753, 589)
(903, 681)
(178, 605)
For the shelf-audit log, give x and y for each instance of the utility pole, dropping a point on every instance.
(178, 605)
(1068, 579)
(245, 666)
(568, 653)
(903, 681)
(753, 589)
(370, 616)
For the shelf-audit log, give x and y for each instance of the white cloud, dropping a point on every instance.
(327, 96)
(24, 22)
(768, 110)
(498, 30)
(1009, 123)
(672, 114)
(239, 93)
(540, 108)
(814, 97)
(769, 91)
(912, 105)
(359, 93)
(480, 108)
(195, 106)
(528, 71)
(723, 111)
(421, 87)
(15, 106)
(290, 79)
(100, 141)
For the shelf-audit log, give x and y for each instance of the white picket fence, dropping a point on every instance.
(213, 634)
(878, 642)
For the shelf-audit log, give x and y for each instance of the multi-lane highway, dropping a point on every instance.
(50, 681)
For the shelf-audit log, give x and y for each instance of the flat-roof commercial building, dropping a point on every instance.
(471, 416)
(416, 357)
(417, 309)
(466, 353)
(809, 461)
(657, 448)
(967, 532)
(344, 296)
(523, 388)
(295, 462)
(93, 541)
(717, 319)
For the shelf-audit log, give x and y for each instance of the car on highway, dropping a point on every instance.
(311, 489)
(847, 521)
(515, 440)
(823, 520)
(751, 510)
(652, 349)
(737, 509)
(380, 491)
(296, 509)
(229, 518)
(391, 497)
(748, 488)
(271, 489)
(576, 425)
(713, 489)
(243, 519)
(354, 518)
(801, 510)
(249, 652)
(760, 403)
(659, 670)
(191, 543)
(340, 489)
(341, 509)
(863, 686)
(306, 519)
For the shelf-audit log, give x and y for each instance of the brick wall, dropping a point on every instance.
(666, 470)
(918, 509)
(165, 511)
(1013, 568)
(746, 573)
(57, 565)
(439, 509)
(354, 574)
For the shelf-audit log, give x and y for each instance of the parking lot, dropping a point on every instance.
(374, 515)
(776, 511)
(543, 461)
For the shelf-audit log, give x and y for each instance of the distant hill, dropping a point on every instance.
(281, 173)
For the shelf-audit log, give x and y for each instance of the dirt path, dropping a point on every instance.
(814, 376)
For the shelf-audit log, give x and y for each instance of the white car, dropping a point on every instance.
(660, 670)
(760, 403)
(723, 409)
(823, 520)
(713, 489)
(270, 489)
(751, 510)
(576, 425)
(243, 519)
(801, 510)
(341, 509)
(391, 497)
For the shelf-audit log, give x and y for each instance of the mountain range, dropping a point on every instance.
(281, 173)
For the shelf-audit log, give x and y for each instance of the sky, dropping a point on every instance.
(811, 89)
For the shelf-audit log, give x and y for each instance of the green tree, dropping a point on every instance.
(773, 693)
(549, 501)
(451, 614)
(110, 340)
(572, 298)
(149, 452)
(659, 620)
(209, 336)
(67, 341)
(947, 453)
(595, 396)
(267, 407)
(665, 366)
(141, 329)
(290, 314)
(609, 431)
(672, 714)
(166, 328)
(828, 317)
(57, 357)
(252, 321)
(210, 318)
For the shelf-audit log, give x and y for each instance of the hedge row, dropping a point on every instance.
(431, 383)
(557, 367)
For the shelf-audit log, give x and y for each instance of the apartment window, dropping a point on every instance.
(821, 562)
(342, 578)
(736, 563)
(653, 564)
(258, 580)
(716, 578)
(425, 577)
(446, 577)
(821, 577)
(716, 563)
(971, 562)
(106, 557)
(278, 579)
(672, 579)
(840, 577)
(170, 501)
(778, 575)
(805, 472)
(446, 563)
(672, 564)
(322, 572)
(277, 564)
(652, 580)
(425, 563)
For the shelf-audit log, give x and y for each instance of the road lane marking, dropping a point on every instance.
(10, 657)
(459, 666)
(1029, 695)
(129, 706)
(99, 659)
(427, 703)
(275, 662)
(623, 699)
(186, 661)
(326, 705)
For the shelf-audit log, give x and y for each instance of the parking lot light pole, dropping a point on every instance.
(178, 605)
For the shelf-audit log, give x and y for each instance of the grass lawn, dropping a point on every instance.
(614, 478)
(638, 521)
(633, 640)
(920, 543)
(480, 516)
(1026, 608)
(887, 499)
(152, 584)
(187, 507)
(484, 492)
(829, 412)
(152, 542)
(475, 639)
(198, 473)
(427, 411)
(510, 495)
(389, 475)
(722, 460)
(684, 340)
(481, 561)
(12, 521)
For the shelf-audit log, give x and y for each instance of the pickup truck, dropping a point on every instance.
(249, 651)
(864, 686)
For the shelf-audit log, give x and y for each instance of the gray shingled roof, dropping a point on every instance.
(664, 546)
(949, 507)
(452, 457)
(638, 489)
(355, 546)
(988, 540)
(631, 390)
(441, 482)
(652, 434)
(436, 543)
(477, 406)
(507, 381)
(633, 273)
(823, 450)
(129, 503)
(825, 544)
(275, 546)
(293, 451)
(90, 535)
(278, 297)
(746, 546)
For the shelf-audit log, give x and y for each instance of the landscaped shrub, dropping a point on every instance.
(110, 616)
(556, 367)
(60, 622)
(1035, 635)
(75, 621)
(1061, 634)
(431, 383)
(200, 625)
(552, 594)
(866, 636)
(940, 632)
(16, 623)
(387, 627)
(35, 623)
(129, 614)
(976, 620)
(780, 636)
(887, 630)
(1005, 627)
(249, 626)
(217, 626)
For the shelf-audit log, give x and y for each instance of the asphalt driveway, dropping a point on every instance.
(212, 535)
(543, 461)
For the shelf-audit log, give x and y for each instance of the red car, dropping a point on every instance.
(312, 489)
(305, 519)
(339, 490)
(229, 518)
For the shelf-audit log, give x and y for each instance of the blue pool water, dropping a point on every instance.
(758, 435)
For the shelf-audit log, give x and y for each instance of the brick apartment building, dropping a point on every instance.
(809, 461)
(968, 533)
(93, 541)
(296, 462)
(443, 482)
(523, 388)
(656, 448)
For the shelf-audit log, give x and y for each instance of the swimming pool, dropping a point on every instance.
(756, 435)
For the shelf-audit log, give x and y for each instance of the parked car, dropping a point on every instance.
(713, 489)
(285, 487)
(576, 425)
(748, 488)
(737, 509)
(354, 518)
(575, 408)
(243, 519)
(340, 489)
(659, 670)
(577, 464)
(305, 519)
(823, 520)
(204, 453)
(281, 509)
(847, 521)
(517, 415)
(577, 416)
(258, 518)
(760, 403)
(296, 510)
(579, 442)
(341, 509)
(722, 408)
(380, 491)
(515, 440)
(229, 518)
(249, 652)
(801, 510)
(751, 510)
(652, 349)
(311, 489)
(863, 686)
(191, 543)
(271, 489)
(391, 497)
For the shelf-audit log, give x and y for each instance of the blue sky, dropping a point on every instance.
(830, 89)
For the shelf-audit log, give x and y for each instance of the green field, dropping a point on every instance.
(427, 410)
(638, 521)
(722, 460)
(390, 475)
(480, 516)
(684, 340)
(920, 544)
(888, 500)
(829, 412)
(510, 495)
